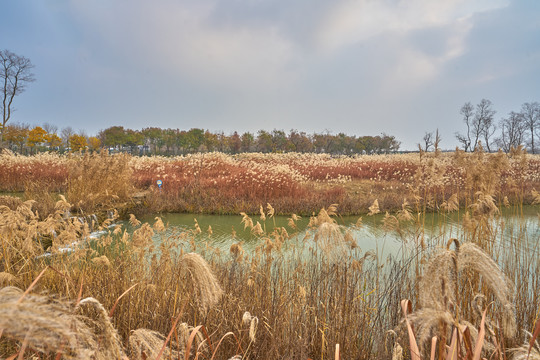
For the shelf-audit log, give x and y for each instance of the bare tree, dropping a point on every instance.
(484, 118)
(50, 128)
(512, 131)
(15, 74)
(66, 133)
(467, 111)
(479, 124)
(531, 119)
(427, 141)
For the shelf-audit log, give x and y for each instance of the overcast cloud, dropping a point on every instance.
(361, 67)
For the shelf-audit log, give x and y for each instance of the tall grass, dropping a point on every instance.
(294, 183)
(154, 293)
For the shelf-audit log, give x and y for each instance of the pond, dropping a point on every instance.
(369, 234)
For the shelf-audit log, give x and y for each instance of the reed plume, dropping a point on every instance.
(374, 208)
(252, 322)
(45, 323)
(102, 261)
(452, 204)
(109, 343)
(203, 279)
(522, 352)
(440, 291)
(331, 240)
(7, 279)
(147, 344)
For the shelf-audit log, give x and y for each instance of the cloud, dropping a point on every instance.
(178, 39)
(357, 66)
(354, 21)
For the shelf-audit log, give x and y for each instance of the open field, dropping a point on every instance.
(128, 295)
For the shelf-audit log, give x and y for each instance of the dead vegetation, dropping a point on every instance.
(157, 292)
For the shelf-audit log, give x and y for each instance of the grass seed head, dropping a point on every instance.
(374, 208)
(110, 345)
(147, 344)
(208, 289)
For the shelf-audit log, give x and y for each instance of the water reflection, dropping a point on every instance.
(427, 230)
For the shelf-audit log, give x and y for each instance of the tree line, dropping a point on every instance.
(26, 140)
(521, 128)
(175, 141)
(158, 141)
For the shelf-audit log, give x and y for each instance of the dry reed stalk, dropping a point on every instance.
(158, 225)
(197, 227)
(11, 202)
(324, 216)
(133, 220)
(390, 222)
(99, 182)
(246, 220)
(405, 213)
(536, 197)
(142, 237)
(471, 257)
(452, 204)
(203, 279)
(397, 352)
(271, 210)
(263, 216)
(257, 230)
(484, 205)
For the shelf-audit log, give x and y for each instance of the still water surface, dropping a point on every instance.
(512, 224)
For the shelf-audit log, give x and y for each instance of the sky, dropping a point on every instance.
(362, 67)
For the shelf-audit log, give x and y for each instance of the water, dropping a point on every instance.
(429, 230)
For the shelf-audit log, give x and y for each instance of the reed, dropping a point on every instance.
(162, 292)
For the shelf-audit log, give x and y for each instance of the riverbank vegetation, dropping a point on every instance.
(293, 182)
(159, 292)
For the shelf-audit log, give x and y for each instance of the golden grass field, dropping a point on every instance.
(126, 295)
